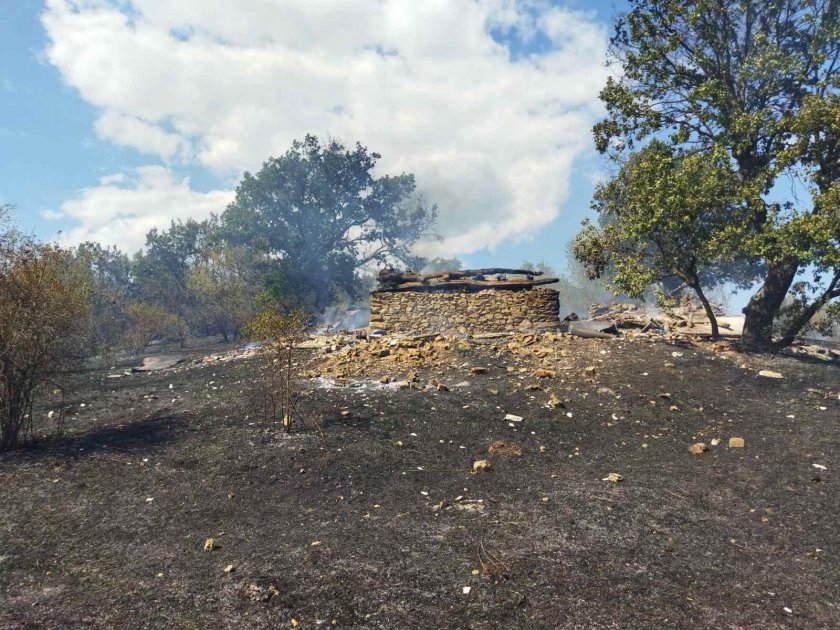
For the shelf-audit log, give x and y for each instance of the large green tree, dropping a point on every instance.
(320, 213)
(757, 82)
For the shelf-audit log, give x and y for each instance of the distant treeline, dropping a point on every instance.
(302, 233)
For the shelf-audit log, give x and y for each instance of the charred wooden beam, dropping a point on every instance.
(389, 277)
(467, 284)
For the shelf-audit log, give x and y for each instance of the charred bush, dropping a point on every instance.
(45, 311)
(148, 323)
(280, 334)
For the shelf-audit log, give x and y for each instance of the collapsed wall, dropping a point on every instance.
(465, 311)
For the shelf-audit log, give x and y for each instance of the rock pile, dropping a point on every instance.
(388, 354)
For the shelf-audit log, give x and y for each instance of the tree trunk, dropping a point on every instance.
(709, 312)
(765, 303)
(799, 322)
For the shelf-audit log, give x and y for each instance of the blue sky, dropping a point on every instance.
(63, 130)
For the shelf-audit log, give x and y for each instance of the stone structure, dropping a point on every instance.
(464, 311)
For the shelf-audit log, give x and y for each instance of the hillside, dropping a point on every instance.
(373, 519)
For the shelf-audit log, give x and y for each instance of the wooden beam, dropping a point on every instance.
(467, 284)
(388, 277)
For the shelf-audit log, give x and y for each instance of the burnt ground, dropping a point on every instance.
(345, 526)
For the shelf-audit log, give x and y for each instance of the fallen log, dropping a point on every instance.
(593, 329)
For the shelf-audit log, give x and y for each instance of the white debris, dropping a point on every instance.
(770, 374)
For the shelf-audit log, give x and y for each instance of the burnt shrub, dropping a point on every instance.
(44, 322)
(280, 334)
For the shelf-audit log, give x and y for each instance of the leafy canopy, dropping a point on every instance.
(667, 214)
(751, 86)
(322, 214)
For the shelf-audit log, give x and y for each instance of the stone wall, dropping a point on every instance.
(464, 312)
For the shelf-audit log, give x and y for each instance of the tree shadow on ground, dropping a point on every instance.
(148, 434)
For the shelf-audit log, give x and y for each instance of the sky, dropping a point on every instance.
(117, 116)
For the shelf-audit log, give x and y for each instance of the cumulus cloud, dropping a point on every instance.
(488, 102)
(122, 208)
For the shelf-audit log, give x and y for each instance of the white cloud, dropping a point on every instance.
(122, 209)
(140, 134)
(491, 135)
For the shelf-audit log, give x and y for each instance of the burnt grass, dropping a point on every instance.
(374, 520)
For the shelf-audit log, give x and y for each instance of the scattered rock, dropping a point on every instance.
(513, 418)
(480, 465)
(545, 373)
(471, 506)
(613, 478)
(554, 402)
(736, 442)
(698, 448)
(505, 449)
(478, 370)
(257, 593)
(770, 374)
(229, 568)
(209, 544)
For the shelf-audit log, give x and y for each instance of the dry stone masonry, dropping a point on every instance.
(464, 311)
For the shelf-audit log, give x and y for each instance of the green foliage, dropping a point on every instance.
(666, 214)
(321, 215)
(745, 86)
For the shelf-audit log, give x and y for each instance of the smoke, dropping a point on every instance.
(336, 318)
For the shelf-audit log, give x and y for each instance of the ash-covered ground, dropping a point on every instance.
(373, 517)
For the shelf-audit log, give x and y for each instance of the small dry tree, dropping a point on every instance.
(44, 320)
(280, 334)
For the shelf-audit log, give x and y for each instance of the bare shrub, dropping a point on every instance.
(280, 334)
(44, 317)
